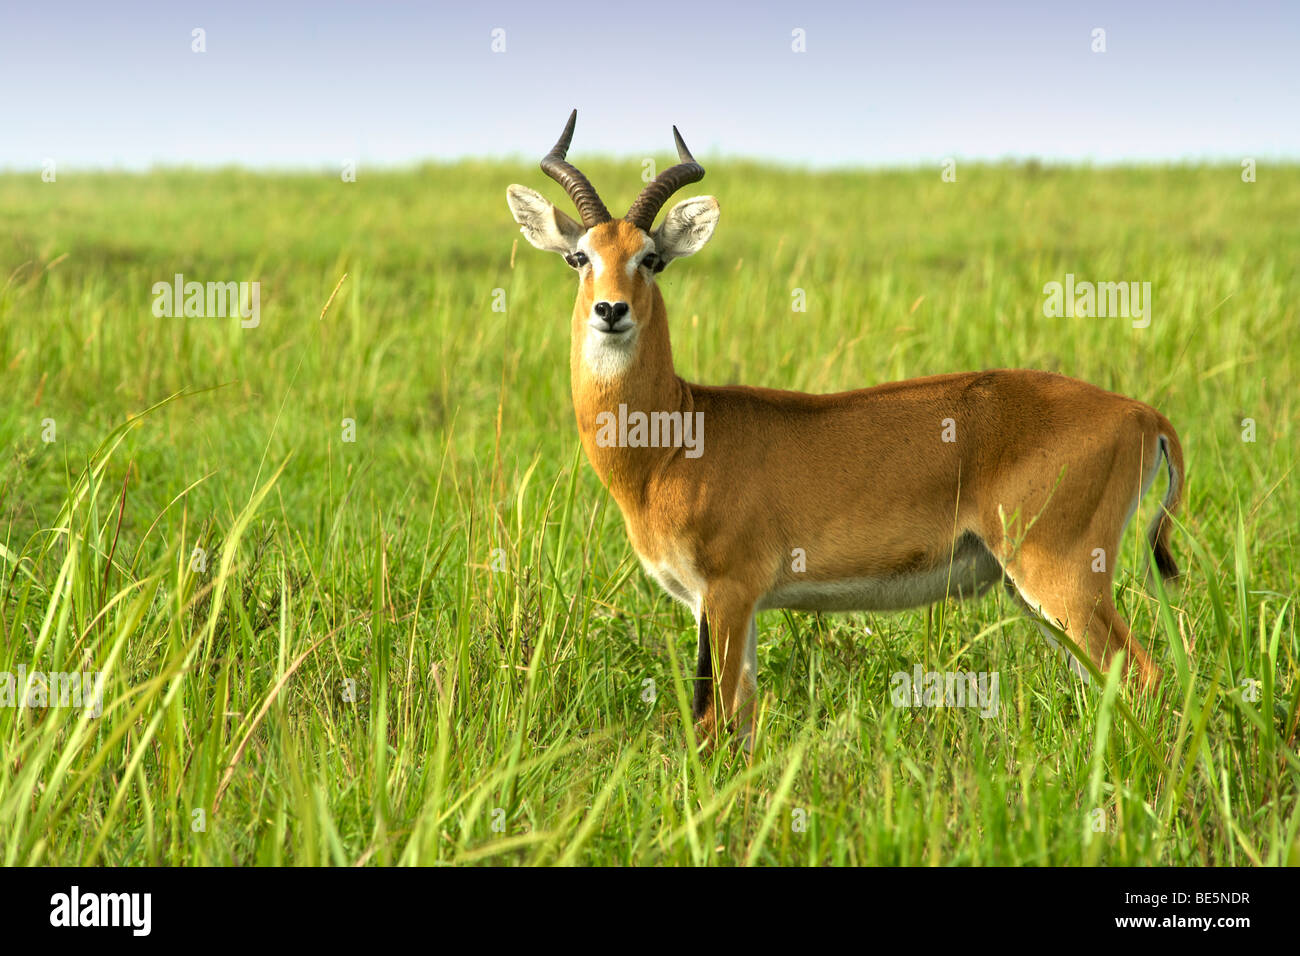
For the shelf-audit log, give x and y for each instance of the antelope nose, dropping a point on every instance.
(611, 312)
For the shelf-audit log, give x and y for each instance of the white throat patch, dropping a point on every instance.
(609, 356)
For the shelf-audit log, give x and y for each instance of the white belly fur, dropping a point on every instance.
(894, 593)
(972, 571)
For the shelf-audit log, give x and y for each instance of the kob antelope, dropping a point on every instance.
(895, 496)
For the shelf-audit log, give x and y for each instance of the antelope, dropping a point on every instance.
(884, 498)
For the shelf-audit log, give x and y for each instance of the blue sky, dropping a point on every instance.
(95, 84)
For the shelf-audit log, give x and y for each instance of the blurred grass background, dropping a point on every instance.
(513, 697)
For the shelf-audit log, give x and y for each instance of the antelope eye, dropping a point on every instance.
(650, 261)
(577, 259)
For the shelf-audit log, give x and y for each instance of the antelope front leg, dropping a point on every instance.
(702, 706)
(726, 678)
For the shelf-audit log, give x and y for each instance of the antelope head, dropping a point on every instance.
(619, 307)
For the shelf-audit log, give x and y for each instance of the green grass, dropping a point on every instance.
(515, 696)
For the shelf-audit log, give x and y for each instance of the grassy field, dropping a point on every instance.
(431, 644)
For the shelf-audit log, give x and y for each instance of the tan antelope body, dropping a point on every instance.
(882, 498)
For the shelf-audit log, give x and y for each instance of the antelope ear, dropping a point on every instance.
(541, 223)
(686, 228)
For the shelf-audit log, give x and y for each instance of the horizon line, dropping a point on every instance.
(410, 165)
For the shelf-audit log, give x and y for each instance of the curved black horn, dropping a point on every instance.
(642, 212)
(579, 188)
